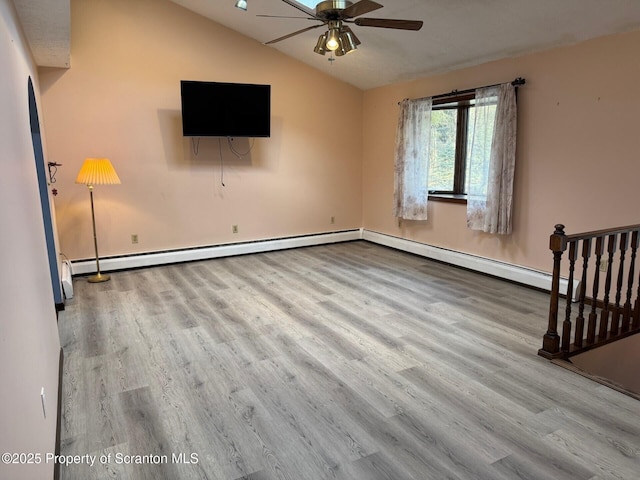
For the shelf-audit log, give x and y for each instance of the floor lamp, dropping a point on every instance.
(97, 171)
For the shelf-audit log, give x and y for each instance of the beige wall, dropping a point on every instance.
(578, 160)
(29, 345)
(577, 163)
(576, 150)
(121, 100)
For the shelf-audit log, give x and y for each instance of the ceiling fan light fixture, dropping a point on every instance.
(333, 36)
(335, 16)
(321, 46)
(242, 5)
(347, 42)
(333, 40)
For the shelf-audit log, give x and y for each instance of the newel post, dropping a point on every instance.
(551, 341)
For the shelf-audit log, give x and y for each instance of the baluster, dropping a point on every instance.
(586, 252)
(551, 341)
(615, 319)
(604, 315)
(566, 325)
(626, 316)
(636, 309)
(593, 316)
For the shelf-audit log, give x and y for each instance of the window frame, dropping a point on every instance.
(311, 9)
(462, 103)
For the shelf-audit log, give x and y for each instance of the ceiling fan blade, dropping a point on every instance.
(355, 37)
(389, 23)
(284, 16)
(293, 34)
(360, 8)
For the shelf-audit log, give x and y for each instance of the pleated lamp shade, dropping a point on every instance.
(97, 171)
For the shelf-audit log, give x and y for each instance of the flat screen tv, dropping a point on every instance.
(214, 109)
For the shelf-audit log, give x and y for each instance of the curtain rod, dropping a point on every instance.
(516, 83)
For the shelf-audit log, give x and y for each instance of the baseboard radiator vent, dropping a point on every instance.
(67, 279)
(506, 271)
(107, 264)
(495, 268)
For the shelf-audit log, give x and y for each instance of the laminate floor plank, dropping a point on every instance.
(497, 313)
(420, 461)
(377, 466)
(297, 439)
(210, 276)
(623, 463)
(305, 416)
(505, 421)
(393, 359)
(361, 324)
(446, 426)
(345, 361)
(286, 263)
(282, 301)
(451, 418)
(226, 446)
(348, 374)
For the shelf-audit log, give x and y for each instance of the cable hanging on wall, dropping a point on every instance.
(195, 145)
(53, 169)
(221, 163)
(235, 152)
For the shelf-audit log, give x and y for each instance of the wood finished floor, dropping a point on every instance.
(348, 361)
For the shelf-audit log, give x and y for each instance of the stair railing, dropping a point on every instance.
(611, 314)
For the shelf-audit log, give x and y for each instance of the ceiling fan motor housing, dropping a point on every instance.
(330, 10)
(336, 14)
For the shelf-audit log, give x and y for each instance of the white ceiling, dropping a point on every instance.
(47, 26)
(456, 33)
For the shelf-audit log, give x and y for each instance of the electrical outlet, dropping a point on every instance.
(333, 220)
(234, 228)
(604, 264)
(134, 238)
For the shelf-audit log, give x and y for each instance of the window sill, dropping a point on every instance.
(448, 197)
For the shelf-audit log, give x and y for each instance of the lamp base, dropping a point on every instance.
(99, 278)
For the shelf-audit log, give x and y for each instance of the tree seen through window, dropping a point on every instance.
(451, 147)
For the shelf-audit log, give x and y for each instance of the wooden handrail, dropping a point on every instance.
(614, 316)
(600, 233)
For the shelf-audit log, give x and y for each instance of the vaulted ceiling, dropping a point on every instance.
(47, 26)
(456, 33)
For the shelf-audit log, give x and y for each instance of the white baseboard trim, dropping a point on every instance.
(107, 264)
(507, 271)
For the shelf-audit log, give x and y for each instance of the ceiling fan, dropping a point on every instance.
(336, 15)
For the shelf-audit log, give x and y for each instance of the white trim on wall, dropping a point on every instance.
(83, 267)
(506, 271)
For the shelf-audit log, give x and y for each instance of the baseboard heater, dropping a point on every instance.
(151, 259)
(67, 279)
(506, 271)
(495, 268)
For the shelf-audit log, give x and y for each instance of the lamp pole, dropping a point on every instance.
(97, 171)
(98, 277)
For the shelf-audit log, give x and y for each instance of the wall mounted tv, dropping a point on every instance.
(214, 109)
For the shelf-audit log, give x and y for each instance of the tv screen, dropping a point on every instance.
(214, 109)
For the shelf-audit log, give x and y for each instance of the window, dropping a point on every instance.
(452, 125)
(473, 138)
(310, 4)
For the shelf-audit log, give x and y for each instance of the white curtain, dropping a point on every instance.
(492, 159)
(412, 159)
